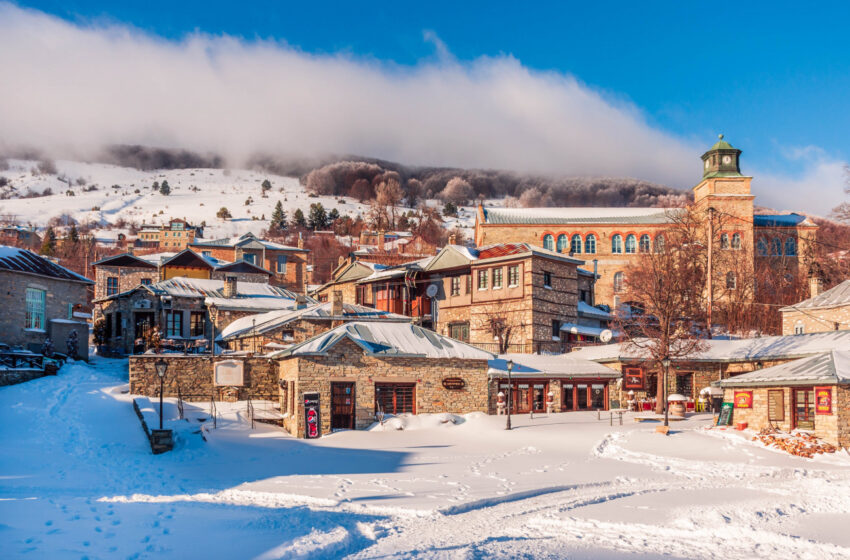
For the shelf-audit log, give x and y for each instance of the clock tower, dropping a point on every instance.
(721, 160)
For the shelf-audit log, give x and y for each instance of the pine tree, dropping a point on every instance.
(298, 219)
(279, 217)
(164, 188)
(48, 245)
(155, 185)
(333, 216)
(318, 218)
(73, 235)
(266, 186)
(450, 209)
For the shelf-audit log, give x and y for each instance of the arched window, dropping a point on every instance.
(659, 244)
(645, 243)
(562, 243)
(762, 247)
(736, 240)
(731, 281)
(617, 244)
(548, 242)
(590, 244)
(776, 247)
(618, 282)
(790, 247)
(631, 243)
(724, 240)
(575, 244)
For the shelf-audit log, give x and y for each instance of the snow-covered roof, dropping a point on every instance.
(549, 365)
(388, 340)
(833, 297)
(204, 287)
(587, 310)
(14, 259)
(562, 216)
(245, 239)
(157, 258)
(827, 368)
(265, 322)
(575, 328)
(780, 220)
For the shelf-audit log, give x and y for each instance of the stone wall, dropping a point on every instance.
(252, 277)
(15, 376)
(194, 375)
(347, 362)
(816, 320)
(128, 277)
(292, 279)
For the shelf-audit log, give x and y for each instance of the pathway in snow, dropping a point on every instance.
(78, 480)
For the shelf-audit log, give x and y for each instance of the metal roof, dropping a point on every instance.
(124, 259)
(834, 297)
(551, 365)
(567, 216)
(778, 220)
(14, 259)
(827, 368)
(246, 239)
(203, 287)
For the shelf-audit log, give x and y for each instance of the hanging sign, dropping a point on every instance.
(454, 383)
(312, 416)
(823, 400)
(633, 378)
(743, 399)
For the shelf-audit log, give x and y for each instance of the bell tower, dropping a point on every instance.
(721, 160)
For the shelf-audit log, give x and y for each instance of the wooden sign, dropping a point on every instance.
(454, 383)
(776, 405)
(823, 400)
(725, 418)
(743, 399)
(633, 378)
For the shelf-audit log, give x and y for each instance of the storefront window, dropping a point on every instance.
(597, 396)
(569, 399)
(581, 397)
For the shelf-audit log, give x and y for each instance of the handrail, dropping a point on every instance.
(179, 402)
(251, 412)
(213, 412)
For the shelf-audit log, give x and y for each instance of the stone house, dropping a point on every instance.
(287, 265)
(810, 394)
(39, 299)
(615, 237)
(121, 273)
(357, 370)
(827, 311)
(190, 264)
(175, 236)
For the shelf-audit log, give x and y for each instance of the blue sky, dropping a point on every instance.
(773, 77)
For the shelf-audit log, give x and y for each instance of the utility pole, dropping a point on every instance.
(710, 271)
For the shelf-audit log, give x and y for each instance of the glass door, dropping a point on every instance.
(523, 397)
(581, 397)
(538, 397)
(569, 397)
(804, 409)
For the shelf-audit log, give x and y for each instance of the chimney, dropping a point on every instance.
(230, 286)
(300, 241)
(340, 261)
(381, 241)
(815, 285)
(452, 239)
(300, 301)
(336, 308)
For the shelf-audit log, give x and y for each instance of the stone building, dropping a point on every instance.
(360, 369)
(810, 394)
(39, 298)
(121, 273)
(827, 311)
(287, 265)
(175, 236)
(614, 237)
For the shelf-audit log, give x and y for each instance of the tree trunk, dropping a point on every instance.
(659, 397)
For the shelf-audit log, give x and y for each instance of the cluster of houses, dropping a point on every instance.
(525, 315)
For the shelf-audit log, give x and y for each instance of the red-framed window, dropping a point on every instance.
(395, 398)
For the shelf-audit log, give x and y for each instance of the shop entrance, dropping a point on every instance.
(342, 406)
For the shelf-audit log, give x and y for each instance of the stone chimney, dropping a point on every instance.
(300, 301)
(452, 239)
(300, 241)
(230, 287)
(336, 308)
(381, 241)
(815, 285)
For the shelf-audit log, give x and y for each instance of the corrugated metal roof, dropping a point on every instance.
(833, 297)
(566, 216)
(828, 368)
(245, 239)
(204, 287)
(20, 260)
(555, 365)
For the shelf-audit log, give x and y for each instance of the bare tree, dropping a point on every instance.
(504, 323)
(842, 211)
(458, 191)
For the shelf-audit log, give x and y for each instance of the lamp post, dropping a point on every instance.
(665, 363)
(213, 311)
(161, 368)
(510, 393)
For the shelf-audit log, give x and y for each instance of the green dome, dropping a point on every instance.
(721, 145)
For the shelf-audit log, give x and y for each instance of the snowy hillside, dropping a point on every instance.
(104, 194)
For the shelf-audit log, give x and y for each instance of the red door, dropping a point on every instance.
(342, 406)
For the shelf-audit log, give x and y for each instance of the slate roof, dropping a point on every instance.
(387, 340)
(555, 365)
(827, 368)
(836, 296)
(125, 259)
(572, 215)
(14, 259)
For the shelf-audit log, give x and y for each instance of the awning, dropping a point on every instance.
(574, 328)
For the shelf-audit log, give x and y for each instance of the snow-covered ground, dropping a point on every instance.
(196, 195)
(77, 480)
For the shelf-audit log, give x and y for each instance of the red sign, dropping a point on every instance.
(823, 400)
(743, 399)
(633, 378)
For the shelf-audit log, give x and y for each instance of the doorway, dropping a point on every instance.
(804, 408)
(342, 406)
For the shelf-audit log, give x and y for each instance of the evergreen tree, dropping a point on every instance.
(164, 188)
(318, 218)
(298, 219)
(73, 235)
(279, 217)
(333, 216)
(155, 185)
(450, 209)
(48, 245)
(266, 187)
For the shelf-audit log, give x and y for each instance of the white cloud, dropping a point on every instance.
(818, 188)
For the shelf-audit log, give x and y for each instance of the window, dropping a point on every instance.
(111, 286)
(547, 279)
(659, 244)
(146, 281)
(799, 328)
(360, 295)
(724, 240)
(70, 311)
(459, 331)
(281, 264)
(617, 244)
(575, 244)
(196, 323)
(249, 257)
(482, 279)
(549, 242)
(513, 275)
(731, 281)
(395, 398)
(762, 247)
(469, 283)
(618, 282)
(790, 247)
(590, 244)
(455, 285)
(206, 254)
(497, 278)
(645, 243)
(174, 324)
(556, 328)
(736, 240)
(35, 309)
(776, 247)
(562, 243)
(631, 244)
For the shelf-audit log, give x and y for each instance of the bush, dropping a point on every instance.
(223, 213)
(450, 209)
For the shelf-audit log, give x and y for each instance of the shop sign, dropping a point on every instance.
(312, 416)
(454, 383)
(633, 378)
(743, 399)
(823, 400)
(725, 418)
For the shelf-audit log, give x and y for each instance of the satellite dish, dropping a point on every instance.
(606, 335)
(432, 290)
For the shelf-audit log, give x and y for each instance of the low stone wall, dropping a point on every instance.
(194, 375)
(15, 376)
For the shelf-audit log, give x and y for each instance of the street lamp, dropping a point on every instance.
(213, 311)
(510, 393)
(161, 368)
(665, 363)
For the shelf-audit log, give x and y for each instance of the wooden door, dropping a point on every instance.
(342, 406)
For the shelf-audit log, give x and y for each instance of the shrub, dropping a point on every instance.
(223, 213)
